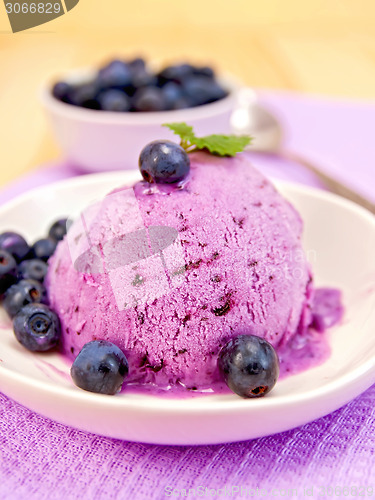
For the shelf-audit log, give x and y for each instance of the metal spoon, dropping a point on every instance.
(249, 117)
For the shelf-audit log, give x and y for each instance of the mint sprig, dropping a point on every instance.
(221, 145)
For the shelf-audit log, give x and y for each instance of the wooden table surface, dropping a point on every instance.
(314, 46)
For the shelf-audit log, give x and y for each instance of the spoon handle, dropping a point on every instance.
(332, 184)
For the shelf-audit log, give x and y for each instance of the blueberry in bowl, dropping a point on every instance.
(138, 85)
(102, 118)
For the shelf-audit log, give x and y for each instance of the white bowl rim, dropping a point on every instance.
(136, 118)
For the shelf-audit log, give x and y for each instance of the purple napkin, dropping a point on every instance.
(331, 457)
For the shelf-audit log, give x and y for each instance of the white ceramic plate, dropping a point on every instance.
(341, 238)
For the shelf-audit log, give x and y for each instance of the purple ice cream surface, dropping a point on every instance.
(171, 274)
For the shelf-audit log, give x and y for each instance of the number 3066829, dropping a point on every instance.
(33, 8)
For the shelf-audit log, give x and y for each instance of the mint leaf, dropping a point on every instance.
(222, 145)
(182, 129)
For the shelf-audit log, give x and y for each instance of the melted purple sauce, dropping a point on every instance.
(327, 308)
(305, 350)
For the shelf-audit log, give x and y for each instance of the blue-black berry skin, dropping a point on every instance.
(142, 78)
(149, 99)
(202, 90)
(116, 75)
(23, 293)
(100, 367)
(141, 89)
(58, 229)
(164, 162)
(249, 365)
(85, 95)
(62, 90)
(172, 94)
(44, 248)
(137, 64)
(114, 100)
(37, 328)
(8, 271)
(204, 71)
(33, 269)
(15, 244)
(177, 73)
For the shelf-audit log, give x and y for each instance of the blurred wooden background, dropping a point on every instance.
(314, 46)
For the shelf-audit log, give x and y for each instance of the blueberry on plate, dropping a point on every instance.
(8, 271)
(164, 162)
(44, 248)
(100, 367)
(249, 366)
(23, 293)
(33, 269)
(15, 244)
(36, 327)
(58, 229)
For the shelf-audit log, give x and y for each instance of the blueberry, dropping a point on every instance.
(133, 76)
(115, 75)
(164, 162)
(85, 95)
(8, 271)
(36, 327)
(177, 73)
(142, 78)
(204, 71)
(149, 99)
(114, 100)
(44, 248)
(15, 244)
(137, 64)
(249, 366)
(202, 90)
(172, 94)
(62, 90)
(58, 229)
(23, 293)
(34, 269)
(100, 367)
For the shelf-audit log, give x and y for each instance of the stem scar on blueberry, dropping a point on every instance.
(147, 177)
(249, 366)
(259, 390)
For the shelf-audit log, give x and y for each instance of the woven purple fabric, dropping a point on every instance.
(331, 457)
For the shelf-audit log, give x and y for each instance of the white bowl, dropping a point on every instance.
(98, 141)
(339, 236)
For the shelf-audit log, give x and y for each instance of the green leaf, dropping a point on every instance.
(181, 129)
(222, 145)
